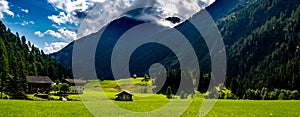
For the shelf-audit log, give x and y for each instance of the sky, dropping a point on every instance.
(52, 24)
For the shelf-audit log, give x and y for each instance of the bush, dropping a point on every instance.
(249, 94)
(169, 93)
(54, 88)
(294, 95)
(6, 97)
(102, 79)
(264, 93)
(227, 94)
(282, 96)
(272, 95)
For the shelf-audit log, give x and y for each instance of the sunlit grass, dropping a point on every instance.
(143, 103)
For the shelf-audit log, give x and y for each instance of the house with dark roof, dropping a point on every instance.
(124, 96)
(76, 85)
(39, 84)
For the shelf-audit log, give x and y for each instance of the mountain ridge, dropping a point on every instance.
(64, 55)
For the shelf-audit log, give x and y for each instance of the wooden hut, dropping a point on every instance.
(124, 96)
(39, 84)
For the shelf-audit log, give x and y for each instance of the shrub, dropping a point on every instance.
(169, 93)
(282, 96)
(264, 93)
(227, 94)
(54, 88)
(272, 95)
(294, 95)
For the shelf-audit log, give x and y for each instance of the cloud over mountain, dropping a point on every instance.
(112, 9)
(65, 34)
(54, 47)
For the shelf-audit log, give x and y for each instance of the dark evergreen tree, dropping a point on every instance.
(3, 67)
(169, 92)
(234, 85)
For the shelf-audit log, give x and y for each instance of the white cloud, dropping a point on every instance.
(100, 12)
(64, 34)
(31, 22)
(67, 34)
(25, 10)
(95, 20)
(208, 1)
(27, 23)
(54, 47)
(4, 8)
(112, 9)
(55, 26)
(62, 18)
(69, 5)
(39, 34)
(183, 8)
(71, 10)
(53, 33)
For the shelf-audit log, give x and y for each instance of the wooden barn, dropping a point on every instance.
(124, 96)
(76, 85)
(39, 84)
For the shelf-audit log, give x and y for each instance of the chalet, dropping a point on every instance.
(39, 84)
(76, 85)
(124, 96)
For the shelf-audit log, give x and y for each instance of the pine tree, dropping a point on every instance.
(17, 84)
(169, 92)
(3, 66)
(234, 85)
(21, 68)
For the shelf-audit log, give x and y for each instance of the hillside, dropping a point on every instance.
(261, 38)
(266, 51)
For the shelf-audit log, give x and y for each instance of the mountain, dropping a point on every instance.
(148, 53)
(261, 38)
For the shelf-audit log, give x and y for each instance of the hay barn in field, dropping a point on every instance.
(124, 96)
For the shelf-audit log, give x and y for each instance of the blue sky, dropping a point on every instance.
(33, 19)
(52, 24)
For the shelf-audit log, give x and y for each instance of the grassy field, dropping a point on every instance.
(143, 103)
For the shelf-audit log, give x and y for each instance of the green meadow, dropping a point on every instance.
(143, 103)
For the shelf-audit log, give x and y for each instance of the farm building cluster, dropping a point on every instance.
(42, 84)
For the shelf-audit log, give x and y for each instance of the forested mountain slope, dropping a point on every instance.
(19, 59)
